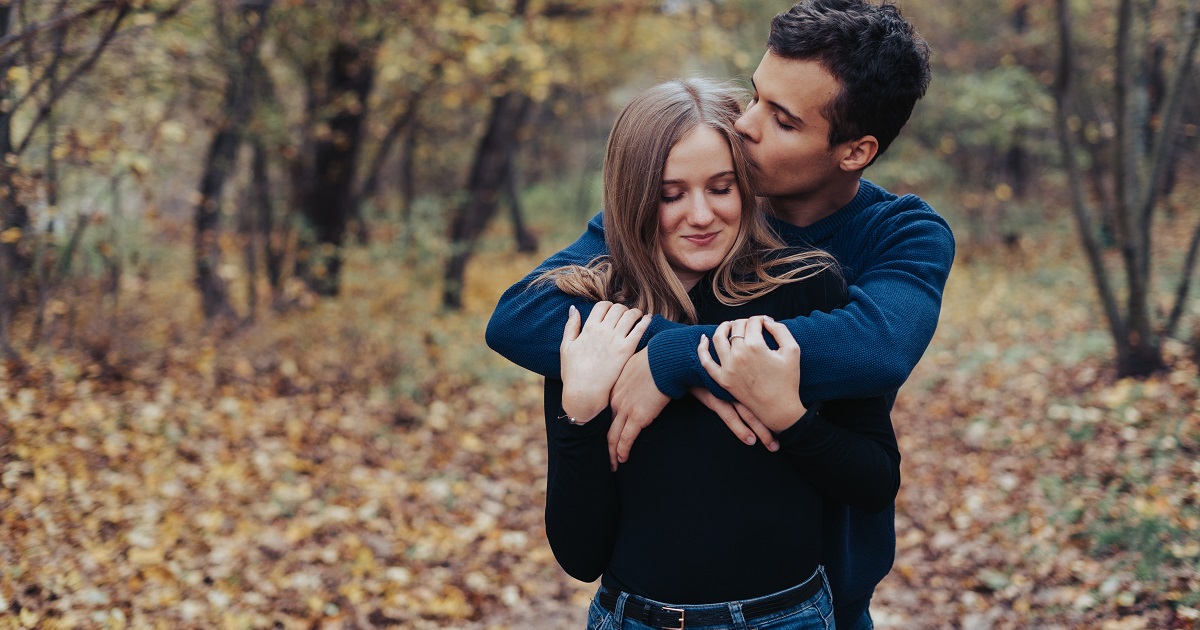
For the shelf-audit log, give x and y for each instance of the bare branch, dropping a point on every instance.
(57, 22)
(1087, 234)
(1185, 282)
(66, 83)
(1184, 62)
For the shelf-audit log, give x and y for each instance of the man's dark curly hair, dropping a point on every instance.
(875, 54)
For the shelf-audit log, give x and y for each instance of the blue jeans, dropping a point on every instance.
(815, 613)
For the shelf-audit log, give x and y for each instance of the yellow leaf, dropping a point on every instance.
(11, 235)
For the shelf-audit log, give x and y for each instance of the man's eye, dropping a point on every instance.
(783, 126)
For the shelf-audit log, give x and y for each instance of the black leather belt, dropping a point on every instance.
(668, 618)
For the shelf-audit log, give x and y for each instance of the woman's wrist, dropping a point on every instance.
(782, 416)
(583, 406)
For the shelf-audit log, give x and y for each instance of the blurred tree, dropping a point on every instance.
(37, 70)
(243, 38)
(1143, 142)
(575, 53)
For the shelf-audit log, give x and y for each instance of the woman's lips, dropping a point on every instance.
(702, 239)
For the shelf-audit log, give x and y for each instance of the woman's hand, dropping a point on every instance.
(766, 381)
(592, 358)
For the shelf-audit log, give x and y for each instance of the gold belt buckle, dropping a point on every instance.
(682, 616)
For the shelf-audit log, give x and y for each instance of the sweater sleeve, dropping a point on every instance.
(869, 347)
(581, 490)
(866, 348)
(526, 326)
(848, 450)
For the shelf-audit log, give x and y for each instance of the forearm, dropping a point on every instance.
(864, 349)
(526, 327)
(848, 451)
(581, 491)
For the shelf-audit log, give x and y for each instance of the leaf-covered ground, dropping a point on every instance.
(367, 462)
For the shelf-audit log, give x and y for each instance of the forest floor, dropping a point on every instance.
(367, 462)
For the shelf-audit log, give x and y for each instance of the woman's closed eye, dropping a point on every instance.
(721, 191)
(672, 198)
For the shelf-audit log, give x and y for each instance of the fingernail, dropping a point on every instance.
(768, 318)
(750, 440)
(773, 447)
(573, 309)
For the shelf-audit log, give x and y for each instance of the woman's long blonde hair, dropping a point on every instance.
(636, 272)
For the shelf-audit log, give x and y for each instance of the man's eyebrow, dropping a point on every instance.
(786, 111)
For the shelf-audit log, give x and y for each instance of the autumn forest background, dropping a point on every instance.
(248, 249)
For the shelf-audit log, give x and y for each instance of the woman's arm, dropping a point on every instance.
(581, 490)
(581, 495)
(848, 450)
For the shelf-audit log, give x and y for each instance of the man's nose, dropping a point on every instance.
(745, 124)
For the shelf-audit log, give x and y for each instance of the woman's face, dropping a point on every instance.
(700, 206)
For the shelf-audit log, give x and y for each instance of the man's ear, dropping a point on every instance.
(857, 154)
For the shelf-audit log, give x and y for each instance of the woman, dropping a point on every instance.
(698, 530)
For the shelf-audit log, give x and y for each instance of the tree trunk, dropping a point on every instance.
(331, 199)
(222, 155)
(1063, 92)
(14, 217)
(493, 160)
(526, 241)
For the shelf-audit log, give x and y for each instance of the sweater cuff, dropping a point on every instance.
(674, 362)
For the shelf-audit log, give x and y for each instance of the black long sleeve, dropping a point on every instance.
(582, 506)
(848, 451)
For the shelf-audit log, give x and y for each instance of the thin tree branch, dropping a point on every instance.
(1185, 282)
(57, 22)
(1087, 234)
(79, 71)
(1184, 62)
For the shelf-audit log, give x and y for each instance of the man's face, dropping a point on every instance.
(787, 135)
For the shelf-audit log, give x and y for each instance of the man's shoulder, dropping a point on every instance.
(884, 205)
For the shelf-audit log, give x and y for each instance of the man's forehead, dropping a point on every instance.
(795, 84)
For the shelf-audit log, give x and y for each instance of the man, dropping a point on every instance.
(837, 83)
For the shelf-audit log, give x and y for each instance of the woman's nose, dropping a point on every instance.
(701, 211)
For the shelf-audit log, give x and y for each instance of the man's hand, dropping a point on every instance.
(592, 358)
(744, 424)
(765, 380)
(636, 402)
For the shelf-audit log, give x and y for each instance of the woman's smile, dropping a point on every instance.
(702, 240)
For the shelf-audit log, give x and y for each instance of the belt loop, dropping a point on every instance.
(619, 611)
(739, 617)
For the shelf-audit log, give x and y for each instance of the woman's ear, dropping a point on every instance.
(858, 153)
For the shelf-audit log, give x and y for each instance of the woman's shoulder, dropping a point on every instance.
(824, 290)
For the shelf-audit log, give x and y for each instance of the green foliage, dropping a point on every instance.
(991, 110)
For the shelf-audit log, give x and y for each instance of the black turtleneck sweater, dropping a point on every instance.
(695, 515)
